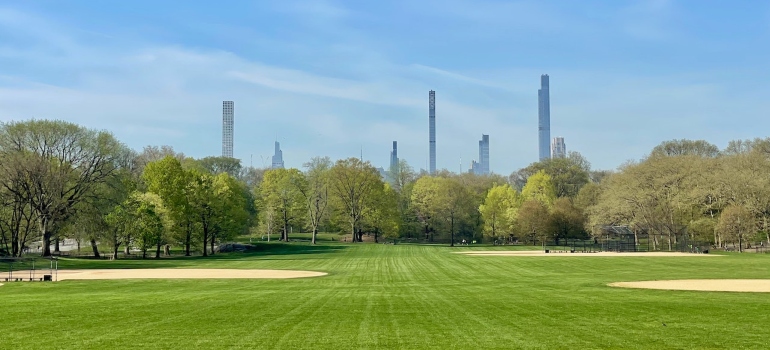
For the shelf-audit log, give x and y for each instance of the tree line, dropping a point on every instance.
(60, 180)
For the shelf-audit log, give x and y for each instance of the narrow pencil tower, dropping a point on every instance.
(544, 118)
(432, 127)
(228, 117)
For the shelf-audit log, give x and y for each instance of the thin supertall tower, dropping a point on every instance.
(394, 157)
(227, 128)
(432, 127)
(544, 118)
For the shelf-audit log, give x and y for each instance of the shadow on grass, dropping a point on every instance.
(260, 252)
(272, 249)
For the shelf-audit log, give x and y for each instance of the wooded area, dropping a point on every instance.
(59, 180)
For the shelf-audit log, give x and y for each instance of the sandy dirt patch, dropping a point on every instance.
(701, 285)
(599, 254)
(109, 274)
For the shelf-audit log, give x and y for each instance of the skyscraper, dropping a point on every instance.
(278, 157)
(558, 148)
(484, 155)
(544, 117)
(432, 130)
(394, 158)
(475, 168)
(227, 128)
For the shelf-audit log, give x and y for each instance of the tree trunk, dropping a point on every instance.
(95, 248)
(46, 243)
(353, 232)
(285, 234)
(157, 251)
(205, 239)
(187, 240)
(144, 253)
(127, 249)
(452, 231)
(767, 234)
(115, 252)
(56, 245)
(315, 233)
(213, 239)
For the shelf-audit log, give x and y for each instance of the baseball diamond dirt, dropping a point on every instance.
(567, 254)
(108, 274)
(708, 285)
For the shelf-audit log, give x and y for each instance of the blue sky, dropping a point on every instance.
(329, 77)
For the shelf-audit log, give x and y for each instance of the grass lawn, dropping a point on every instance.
(403, 296)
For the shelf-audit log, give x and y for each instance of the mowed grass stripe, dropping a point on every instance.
(386, 296)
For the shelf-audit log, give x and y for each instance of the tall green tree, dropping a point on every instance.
(737, 224)
(532, 221)
(218, 165)
(425, 200)
(500, 199)
(566, 220)
(176, 187)
(352, 183)
(539, 187)
(383, 216)
(568, 175)
(442, 200)
(684, 147)
(315, 191)
(280, 193)
(63, 162)
(233, 208)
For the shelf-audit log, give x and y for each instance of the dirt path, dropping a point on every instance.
(598, 254)
(108, 274)
(701, 285)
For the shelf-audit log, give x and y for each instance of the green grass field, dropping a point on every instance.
(385, 296)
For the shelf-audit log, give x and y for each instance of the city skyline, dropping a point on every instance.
(343, 74)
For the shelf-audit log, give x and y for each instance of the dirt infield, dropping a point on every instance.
(109, 274)
(757, 286)
(598, 254)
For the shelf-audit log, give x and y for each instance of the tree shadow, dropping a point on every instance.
(259, 252)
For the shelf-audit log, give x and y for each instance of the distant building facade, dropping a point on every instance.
(228, 116)
(544, 117)
(482, 166)
(475, 167)
(484, 154)
(394, 157)
(558, 148)
(393, 170)
(277, 157)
